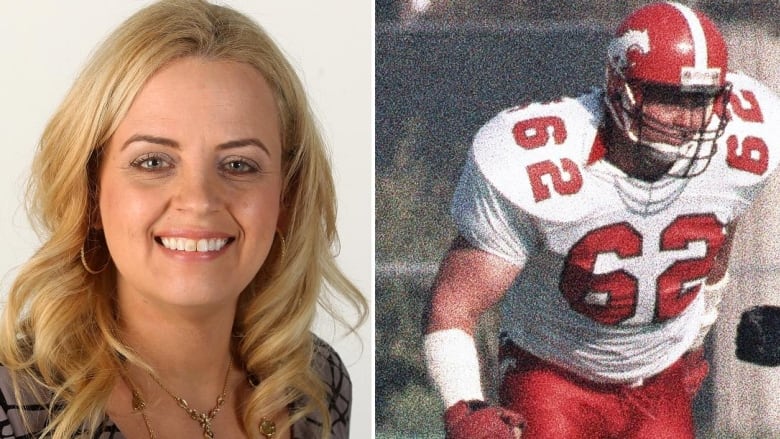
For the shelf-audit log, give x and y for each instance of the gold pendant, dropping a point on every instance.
(205, 424)
(138, 403)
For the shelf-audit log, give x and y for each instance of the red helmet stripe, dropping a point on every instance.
(697, 34)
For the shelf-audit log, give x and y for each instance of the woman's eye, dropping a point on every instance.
(236, 166)
(151, 162)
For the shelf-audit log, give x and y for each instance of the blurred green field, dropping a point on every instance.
(412, 227)
(413, 231)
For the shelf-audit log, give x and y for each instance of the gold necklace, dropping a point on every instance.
(202, 418)
(267, 427)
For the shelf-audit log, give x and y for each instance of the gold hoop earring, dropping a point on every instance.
(282, 245)
(87, 267)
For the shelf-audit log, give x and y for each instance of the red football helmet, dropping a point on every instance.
(668, 45)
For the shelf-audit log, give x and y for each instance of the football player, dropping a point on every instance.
(602, 225)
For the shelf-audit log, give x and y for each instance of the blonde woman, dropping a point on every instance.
(188, 215)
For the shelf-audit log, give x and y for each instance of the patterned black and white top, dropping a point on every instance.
(326, 361)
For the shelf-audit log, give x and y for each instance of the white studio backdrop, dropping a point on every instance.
(45, 43)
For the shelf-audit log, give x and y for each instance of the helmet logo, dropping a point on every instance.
(619, 47)
(692, 78)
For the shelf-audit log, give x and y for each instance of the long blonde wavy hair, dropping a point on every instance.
(59, 330)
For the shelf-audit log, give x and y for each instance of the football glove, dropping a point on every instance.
(480, 420)
(758, 336)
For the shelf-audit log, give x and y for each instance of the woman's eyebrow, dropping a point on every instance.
(244, 142)
(174, 144)
(150, 139)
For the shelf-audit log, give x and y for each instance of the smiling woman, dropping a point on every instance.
(197, 158)
(187, 212)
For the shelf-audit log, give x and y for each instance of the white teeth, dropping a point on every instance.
(192, 245)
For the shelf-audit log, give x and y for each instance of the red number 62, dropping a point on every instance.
(611, 298)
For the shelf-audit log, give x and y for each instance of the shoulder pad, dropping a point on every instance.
(750, 146)
(534, 152)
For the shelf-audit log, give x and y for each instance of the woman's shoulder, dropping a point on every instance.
(11, 401)
(331, 370)
(329, 366)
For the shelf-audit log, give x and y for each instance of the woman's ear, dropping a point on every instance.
(93, 177)
(282, 221)
(95, 218)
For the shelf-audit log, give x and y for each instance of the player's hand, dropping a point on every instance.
(696, 369)
(480, 420)
(758, 336)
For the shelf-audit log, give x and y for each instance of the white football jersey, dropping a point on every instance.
(612, 265)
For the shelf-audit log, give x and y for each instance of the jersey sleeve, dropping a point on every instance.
(748, 152)
(489, 221)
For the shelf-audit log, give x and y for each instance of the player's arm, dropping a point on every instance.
(496, 235)
(469, 282)
(720, 266)
(714, 286)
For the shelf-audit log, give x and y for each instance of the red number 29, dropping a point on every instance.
(750, 155)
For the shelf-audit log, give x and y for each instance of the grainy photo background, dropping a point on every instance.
(443, 68)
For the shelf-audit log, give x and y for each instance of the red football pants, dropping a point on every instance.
(558, 404)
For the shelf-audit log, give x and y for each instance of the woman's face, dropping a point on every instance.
(190, 184)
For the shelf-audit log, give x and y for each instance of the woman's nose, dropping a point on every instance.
(197, 191)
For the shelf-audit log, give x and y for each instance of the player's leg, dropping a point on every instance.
(555, 403)
(663, 407)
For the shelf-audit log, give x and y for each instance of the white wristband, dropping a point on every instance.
(453, 364)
